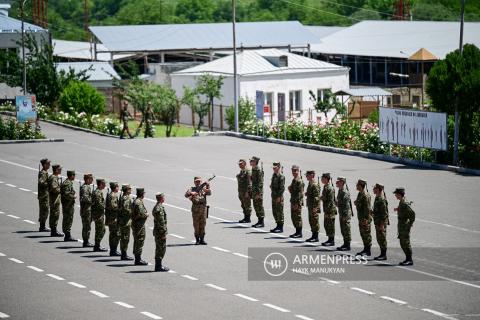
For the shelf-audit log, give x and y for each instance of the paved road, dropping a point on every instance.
(45, 278)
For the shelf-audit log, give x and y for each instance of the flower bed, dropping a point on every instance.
(11, 129)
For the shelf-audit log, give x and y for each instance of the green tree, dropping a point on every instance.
(246, 114)
(166, 106)
(192, 99)
(82, 97)
(327, 103)
(195, 10)
(456, 81)
(210, 87)
(10, 66)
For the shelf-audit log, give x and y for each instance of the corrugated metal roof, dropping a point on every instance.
(8, 24)
(364, 92)
(255, 62)
(81, 50)
(399, 39)
(203, 36)
(101, 71)
(323, 31)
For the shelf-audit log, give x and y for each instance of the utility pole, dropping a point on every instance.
(457, 116)
(22, 11)
(235, 93)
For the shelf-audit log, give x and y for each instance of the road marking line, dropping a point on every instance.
(299, 316)
(11, 185)
(220, 249)
(4, 315)
(400, 302)
(98, 294)
(18, 165)
(189, 277)
(29, 221)
(172, 271)
(176, 236)
(35, 268)
(218, 218)
(440, 314)
(241, 255)
(1, 182)
(363, 291)
(215, 287)
(275, 307)
(54, 276)
(2, 254)
(15, 260)
(123, 304)
(441, 277)
(23, 189)
(176, 207)
(78, 285)
(245, 297)
(330, 281)
(259, 230)
(1, 212)
(12, 216)
(34, 192)
(151, 315)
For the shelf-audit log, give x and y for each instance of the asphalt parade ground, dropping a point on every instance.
(45, 278)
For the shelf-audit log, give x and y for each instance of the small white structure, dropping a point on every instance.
(285, 78)
(100, 74)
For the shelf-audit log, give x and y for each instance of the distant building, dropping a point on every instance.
(285, 78)
(70, 51)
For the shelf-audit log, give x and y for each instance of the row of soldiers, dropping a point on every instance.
(250, 190)
(118, 211)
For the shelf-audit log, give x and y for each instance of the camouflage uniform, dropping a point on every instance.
(406, 217)
(159, 230)
(257, 192)
(54, 197)
(139, 217)
(363, 204)
(296, 201)
(124, 221)
(125, 116)
(380, 219)
(98, 215)
(42, 196)
(313, 205)
(68, 205)
(278, 188)
(244, 192)
(111, 214)
(199, 211)
(149, 129)
(345, 214)
(86, 201)
(329, 210)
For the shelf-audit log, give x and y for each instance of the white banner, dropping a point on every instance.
(413, 128)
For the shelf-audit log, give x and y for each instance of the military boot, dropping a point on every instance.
(43, 228)
(345, 246)
(259, 224)
(125, 257)
(407, 262)
(139, 261)
(55, 233)
(361, 253)
(87, 244)
(382, 256)
(277, 229)
(98, 248)
(313, 238)
(197, 240)
(68, 237)
(329, 243)
(367, 251)
(245, 220)
(114, 252)
(202, 240)
(297, 234)
(159, 267)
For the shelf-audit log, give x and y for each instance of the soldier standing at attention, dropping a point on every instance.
(406, 218)
(86, 200)
(313, 205)
(54, 198)
(380, 220)
(278, 188)
(42, 195)
(124, 220)
(329, 209)
(363, 205)
(68, 205)
(98, 215)
(199, 208)
(139, 217)
(296, 201)
(111, 213)
(257, 192)
(160, 232)
(245, 190)
(344, 205)
(124, 117)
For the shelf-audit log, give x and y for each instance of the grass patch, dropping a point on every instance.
(179, 130)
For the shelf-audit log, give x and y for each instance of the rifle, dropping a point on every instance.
(200, 187)
(208, 209)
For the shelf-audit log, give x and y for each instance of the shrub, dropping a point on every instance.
(80, 96)
(10, 129)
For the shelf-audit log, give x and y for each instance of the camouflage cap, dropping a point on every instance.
(56, 166)
(100, 180)
(378, 186)
(70, 173)
(295, 167)
(362, 182)
(256, 159)
(399, 190)
(160, 194)
(197, 179)
(242, 161)
(44, 161)
(326, 175)
(276, 164)
(125, 187)
(140, 191)
(87, 175)
(310, 172)
(342, 179)
(113, 184)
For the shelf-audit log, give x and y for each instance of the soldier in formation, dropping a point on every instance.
(329, 209)
(111, 214)
(68, 204)
(42, 195)
(54, 183)
(124, 220)
(380, 220)
(313, 205)
(198, 196)
(296, 201)
(277, 187)
(406, 218)
(98, 215)
(86, 200)
(257, 192)
(139, 217)
(160, 231)
(363, 205)
(245, 190)
(345, 212)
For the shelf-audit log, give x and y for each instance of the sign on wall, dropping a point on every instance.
(260, 100)
(413, 128)
(281, 107)
(26, 108)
